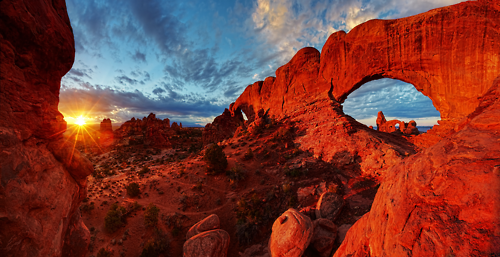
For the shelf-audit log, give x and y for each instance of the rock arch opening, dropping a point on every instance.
(399, 101)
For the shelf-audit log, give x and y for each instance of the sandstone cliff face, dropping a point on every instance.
(444, 201)
(149, 131)
(42, 180)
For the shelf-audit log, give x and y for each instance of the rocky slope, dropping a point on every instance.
(42, 179)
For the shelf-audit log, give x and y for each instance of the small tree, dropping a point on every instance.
(249, 154)
(133, 189)
(215, 159)
(151, 215)
(114, 218)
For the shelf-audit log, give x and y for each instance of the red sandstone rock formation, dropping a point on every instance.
(309, 89)
(390, 126)
(106, 125)
(222, 127)
(443, 201)
(42, 180)
(105, 133)
(149, 131)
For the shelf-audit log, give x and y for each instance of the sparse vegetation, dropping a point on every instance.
(114, 218)
(156, 245)
(151, 215)
(248, 155)
(236, 173)
(104, 253)
(215, 158)
(133, 189)
(144, 170)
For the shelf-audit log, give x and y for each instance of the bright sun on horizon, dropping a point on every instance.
(80, 121)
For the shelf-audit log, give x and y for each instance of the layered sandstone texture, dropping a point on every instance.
(149, 131)
(42, 180)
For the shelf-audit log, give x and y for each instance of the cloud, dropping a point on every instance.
(139, 57)
(97, 101)
(158, 91)
(124, 80)
(289, 25)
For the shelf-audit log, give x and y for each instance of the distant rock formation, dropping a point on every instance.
(383, 125)
(148, 131)
(223, 127)
(106, 126)
(105, 133)
(43, 181)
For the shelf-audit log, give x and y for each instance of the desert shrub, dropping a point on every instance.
(236, 173)
(133, 189)
(215, 159)
(103, 253)
(151, 215)
(144, 170)
(248, 155)
(87, 207)
(294, 172)
(156, 245)
(283, 134)
(114, 218)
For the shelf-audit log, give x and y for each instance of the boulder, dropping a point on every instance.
(209, 223)
(213, 243)
(329, 206)
(325, 233)
(291, 234)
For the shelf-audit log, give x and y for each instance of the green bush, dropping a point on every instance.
(151, 215)
(215, 159)
(114, 218)
(133, 189)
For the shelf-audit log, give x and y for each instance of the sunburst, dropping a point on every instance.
(80, 121)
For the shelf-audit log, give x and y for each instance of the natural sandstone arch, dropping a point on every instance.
(450, 54)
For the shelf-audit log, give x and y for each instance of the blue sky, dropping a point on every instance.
(188, 60)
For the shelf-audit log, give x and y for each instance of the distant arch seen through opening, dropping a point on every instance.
(395, 98)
